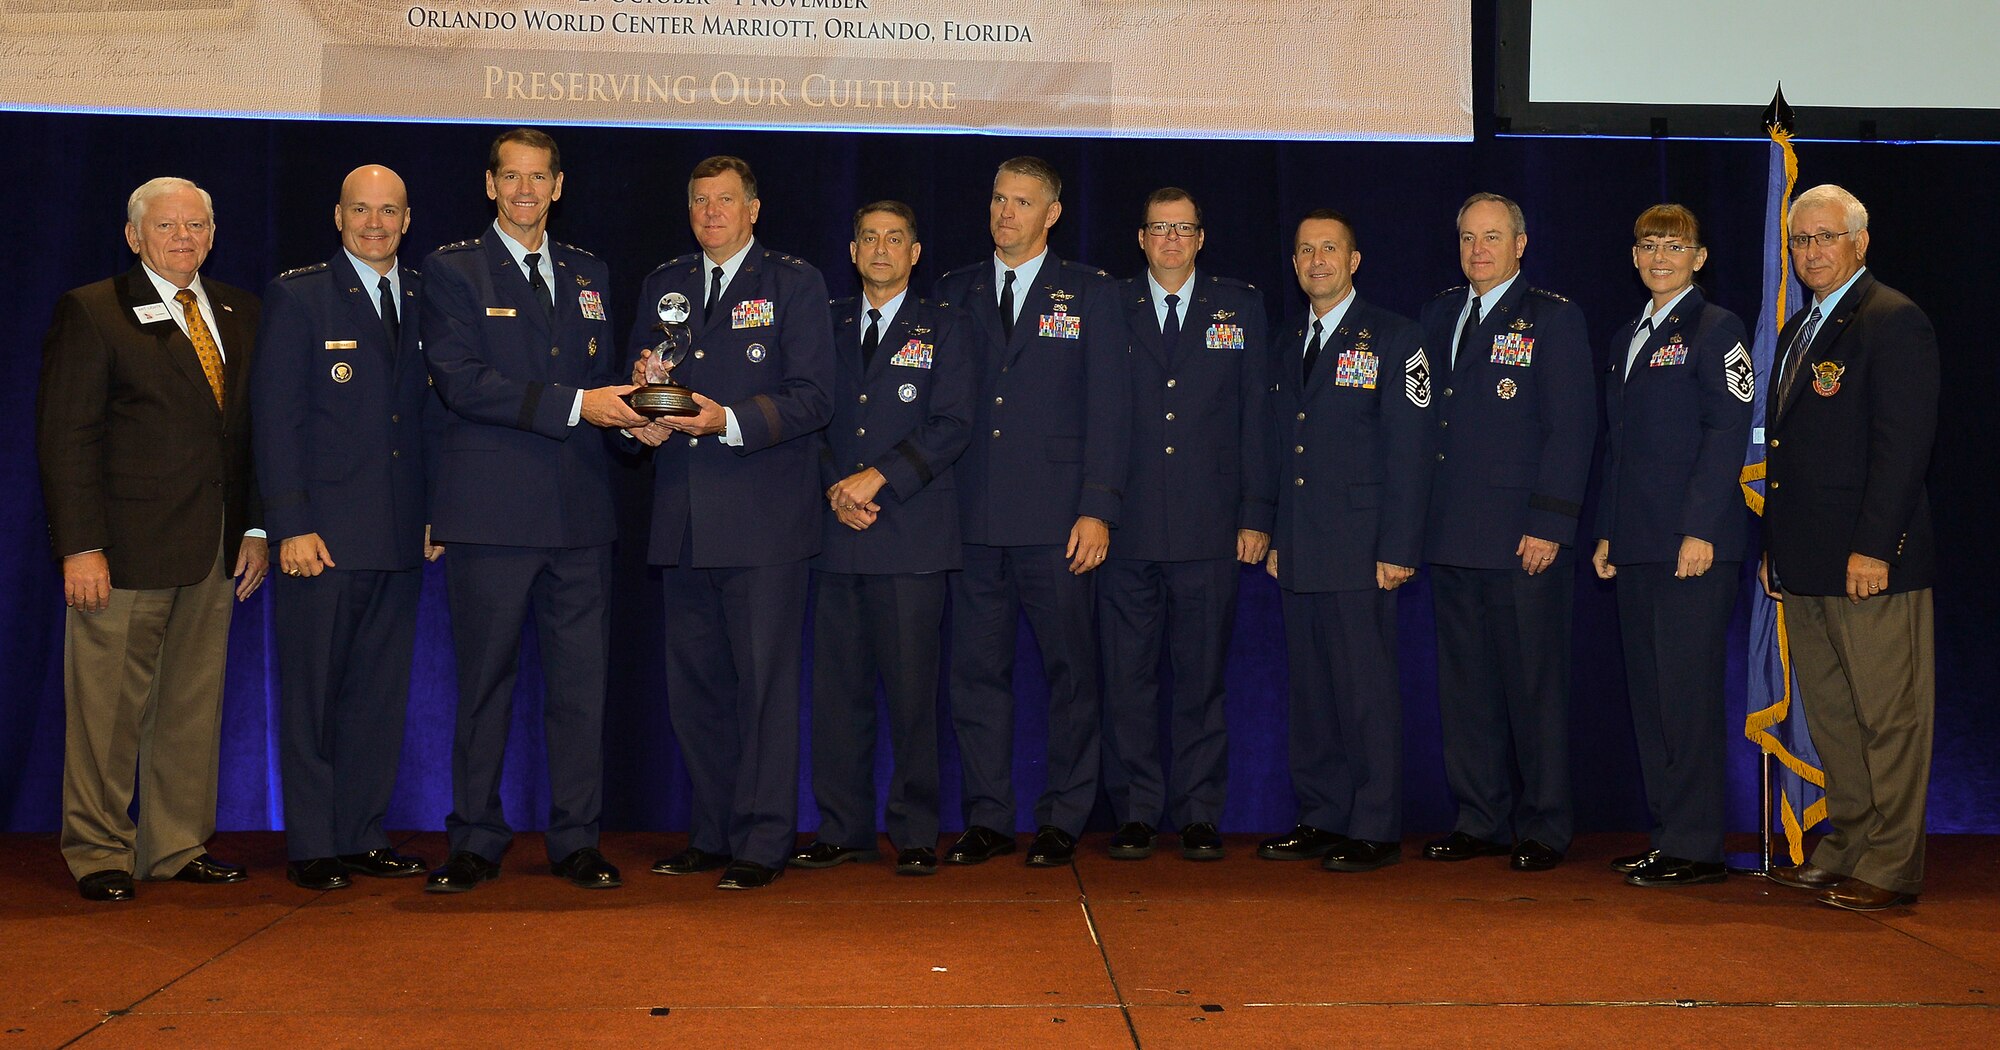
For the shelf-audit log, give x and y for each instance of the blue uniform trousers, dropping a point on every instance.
(1676, 640)
(1346, 718)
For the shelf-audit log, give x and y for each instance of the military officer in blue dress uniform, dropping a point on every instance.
(1040, 488)
(517, 331)
(1516, 421)
(1351, 406)
(1197, 504)
(902, 413)
(346, 425)
(736, 516)
(1671, 528)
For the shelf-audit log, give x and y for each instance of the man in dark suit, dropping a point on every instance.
(902, 413)
(1197, 505)
(518, 337)
(144, 435)
(1039, 491)
(342, 400)
(1849, 550)
(1516, 421)
(1351, 404)
(736, 514)
(1671, 531)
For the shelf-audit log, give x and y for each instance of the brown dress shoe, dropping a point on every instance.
(1805, 877)
(1855, 895)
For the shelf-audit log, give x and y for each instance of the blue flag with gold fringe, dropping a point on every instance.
(1774, 722)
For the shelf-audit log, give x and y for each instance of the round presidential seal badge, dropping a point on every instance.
(343, 372)
(755, 352)
(1507, 389)
(908, 392)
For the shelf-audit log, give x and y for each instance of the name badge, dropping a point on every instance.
(1061, 325)
(1357, 368)
(501, 311)
(1670, 354)
(1225, 337)
(342, 344)
(1514, 349)
(914, 354)
(591, 303)
(152, 313)
(755, 313)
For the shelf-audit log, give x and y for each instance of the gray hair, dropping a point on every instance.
(1514, 214)
(1827, 194)
(135, 205)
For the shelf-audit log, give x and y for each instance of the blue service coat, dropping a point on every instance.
(765, 353)
(513, 471)
(1676, 429)
(1201, 437)
(1517, 422)
(1051, 438)
(346, 426)
(1356, 449)
(908, 414)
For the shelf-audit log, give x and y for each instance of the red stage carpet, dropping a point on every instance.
(1157, 953)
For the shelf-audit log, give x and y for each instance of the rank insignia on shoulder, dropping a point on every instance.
(314, 268)
(1739, 375)
(1417, 379)
(1826, 377)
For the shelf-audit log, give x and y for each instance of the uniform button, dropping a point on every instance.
(554, 350)
(1302, 415)
(699, 354)
(1444, 422)
(1171, 383)
(394, 418)
(1774, 485)
(1447, 391)
(999, 400)
(864, 399)
(1296, 482)
(692, 442)
(1170, 450)
(1170, 417)
(1774, 442)
(860, 431)
(1298, 448)
(996, 433)
(1440, 457)
(395, 453)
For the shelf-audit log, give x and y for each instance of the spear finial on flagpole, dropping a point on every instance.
(1778, 115)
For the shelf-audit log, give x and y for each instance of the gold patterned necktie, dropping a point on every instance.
(204, 343)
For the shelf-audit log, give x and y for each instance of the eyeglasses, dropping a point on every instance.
(1671, 251)
(1824, 238)
(1161, 229)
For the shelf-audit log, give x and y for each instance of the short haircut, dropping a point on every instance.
(1828, 193)
(722, 162)
(1668, 220)
(1514, 214)
(1327, 214)
(1166, 195)
(1034, 168)
(897, 208)
(528, 137)
(135, 205)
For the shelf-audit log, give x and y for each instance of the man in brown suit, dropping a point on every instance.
(144, 435)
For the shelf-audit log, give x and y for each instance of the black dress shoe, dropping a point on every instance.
(1134, 841)
(587, 868)
(978, 845)
(921, 860)
(691, 861)
(1673, 871)
(1460, 846)
(747, 875)
(1362, 855)
(1807, 876)
(1531, 855)
(826, 855)
(382, 864)
(1053, 848)
(319, 873)
(1201, 841)
(206, 869)
(1305, 842)
(1632, 862)
(107, 885)
(462, 871)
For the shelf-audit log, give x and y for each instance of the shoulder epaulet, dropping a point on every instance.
(792, 261)
(1457, 289)
(1230, 282)
(574, 248)
(414, 272)
(1546, 294)
(1078, 267)
(459, 246)
(971, 268)
(314, 268)
(833, 305)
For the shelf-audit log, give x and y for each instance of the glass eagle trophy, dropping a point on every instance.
(661, 396)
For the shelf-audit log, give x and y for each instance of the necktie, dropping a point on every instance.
(540, 286)
(204, 343)
(1463, 353)
(714, 292)
(1170, 330)
(872, 338)
(1312, 352)
(1007, 306)
(387, 299)
(1639, 337)
(1800, 347)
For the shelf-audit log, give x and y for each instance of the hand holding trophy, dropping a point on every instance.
(661, 396)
